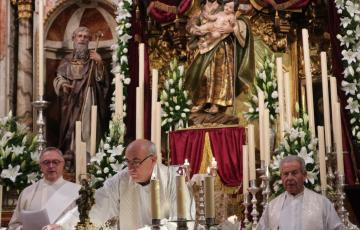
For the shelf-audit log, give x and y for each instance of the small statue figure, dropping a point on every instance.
(84, 203)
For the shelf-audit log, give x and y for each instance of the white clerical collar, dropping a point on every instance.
(294, 196)
(58, 181)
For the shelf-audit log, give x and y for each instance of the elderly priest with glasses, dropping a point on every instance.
(52, 195)
(126, 195)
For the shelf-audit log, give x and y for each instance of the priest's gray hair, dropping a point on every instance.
(152, 149)
(53, 149)
(293, 158)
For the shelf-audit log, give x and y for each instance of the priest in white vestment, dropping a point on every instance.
(126, 195)
(52, 193)
(298, 208)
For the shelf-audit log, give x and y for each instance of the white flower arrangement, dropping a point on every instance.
(19, 159)
(175, 99)
(265, 80)
(110, 156)
(349, 38)
(120, 62)
(297, 141)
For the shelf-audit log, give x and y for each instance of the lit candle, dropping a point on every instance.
(322, 157)
(245, 169)
(80, 153)
(186, 163)
(251, 151)
(155, 199)
(180, 197)
(266, 128)
(334, 100)
(280, 84)
(261, 99)
(287, 83)
(338, 142)
(326, 105)
(158, 131)
(119, 97)
(308, 80)
(209, 197)
(93, 130)
(41, 48)
(139, 113)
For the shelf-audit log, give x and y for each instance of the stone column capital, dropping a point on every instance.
(24, 8)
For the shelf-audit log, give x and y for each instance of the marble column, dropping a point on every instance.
(24, 72)
(5, 14)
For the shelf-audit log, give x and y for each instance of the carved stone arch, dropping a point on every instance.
(60, 22)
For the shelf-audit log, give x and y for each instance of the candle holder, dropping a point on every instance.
(201, 219)
(40, 105)
(254, 213)
(341, 197)
(246, 212)
(266, 191)
(210, 222)
(155, 224)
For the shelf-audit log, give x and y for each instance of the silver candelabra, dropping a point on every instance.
(246, 212)
(254, 213)
(40, 106)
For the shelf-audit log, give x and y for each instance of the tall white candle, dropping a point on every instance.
(261, 99)
(119, 109)
(41, 48)
(80, 153)
(154, 98)
(155, 199)
(158, 131)
(322, 161)
(209, 197)
(180, 197)
(334, 100)
(251, 151)
(93, 130)
(245, 158)
(326, 103)
(141, 64)
(338, 143)
(280, 84)
(266, 136)
(287, 83)
(139, 113)
(308, 80)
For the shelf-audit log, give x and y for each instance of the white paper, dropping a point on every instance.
(34, 220)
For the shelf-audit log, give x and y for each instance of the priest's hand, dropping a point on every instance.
(95, 56)
(51, 227)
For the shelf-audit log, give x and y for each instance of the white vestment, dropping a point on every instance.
(130, 202)
(305, 211)
(38, 196)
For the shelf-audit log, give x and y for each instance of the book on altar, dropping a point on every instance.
(34, 220)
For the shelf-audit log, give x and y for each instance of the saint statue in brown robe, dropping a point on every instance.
(81, 82)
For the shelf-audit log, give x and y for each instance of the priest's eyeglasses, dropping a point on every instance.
(49, 162)
(136, 163)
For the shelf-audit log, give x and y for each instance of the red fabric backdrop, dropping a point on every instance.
(226, 145)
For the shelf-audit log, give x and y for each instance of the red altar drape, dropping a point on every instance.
(226, 145)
